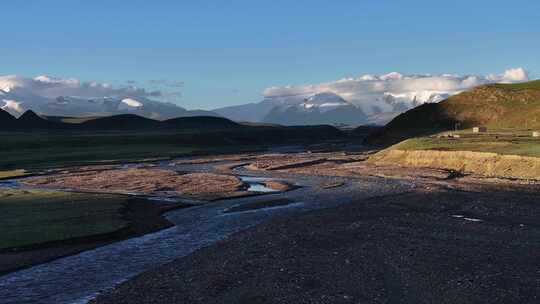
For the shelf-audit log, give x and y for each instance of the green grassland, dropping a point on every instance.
(37, 151)
(531, 85)
(41, 149)
(29, 217)
(501, 142)
(31, 151)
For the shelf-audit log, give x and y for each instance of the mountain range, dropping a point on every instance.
(73, 106)
(364, 100)
(325, 108)
(322, 108)
(18, 99)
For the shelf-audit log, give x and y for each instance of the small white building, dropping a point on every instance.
(479, 130)
(535, 134)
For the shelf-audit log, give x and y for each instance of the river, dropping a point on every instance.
(79, 278)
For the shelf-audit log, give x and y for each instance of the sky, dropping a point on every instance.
(218, 53)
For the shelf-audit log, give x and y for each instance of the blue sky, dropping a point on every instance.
(228, 52)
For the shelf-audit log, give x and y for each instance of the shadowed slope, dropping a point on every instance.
(121, 122)
(30, 120)
(6, 120)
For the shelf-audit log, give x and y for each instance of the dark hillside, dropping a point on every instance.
(200, 122)
(30, 120)
(7, 121)
(121, 123)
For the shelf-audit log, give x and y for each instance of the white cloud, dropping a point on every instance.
(511, 75)
(52, 87)
(384, 91)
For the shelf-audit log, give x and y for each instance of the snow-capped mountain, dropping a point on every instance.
(75, 106)
(301, 109)
(416, 98)
(379, 97)
(68, 97)
(373, 99)
(324, 102)
(330, 108)
(321, 108)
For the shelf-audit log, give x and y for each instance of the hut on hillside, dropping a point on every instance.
(479, 130)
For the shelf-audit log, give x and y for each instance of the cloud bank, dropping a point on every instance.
(394, 91)
(52, 87)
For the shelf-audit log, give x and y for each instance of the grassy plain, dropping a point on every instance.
(41, 149)
(30, 217)
(531, 85)
(502, 142)
(36, 151)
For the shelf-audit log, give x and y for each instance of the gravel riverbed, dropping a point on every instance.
(423, 246)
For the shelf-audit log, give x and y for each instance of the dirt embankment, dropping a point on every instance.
(481, 163)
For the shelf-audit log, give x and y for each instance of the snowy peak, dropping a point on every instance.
(11, 106)
(415, 98)
(324, 101)
(130, 102)
(17, 104)
(320, 108)
(391, 76)
(326, 97)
